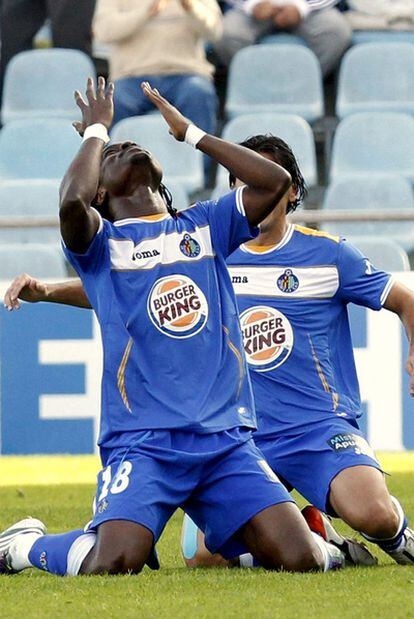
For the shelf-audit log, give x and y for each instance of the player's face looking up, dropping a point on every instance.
(125, 166)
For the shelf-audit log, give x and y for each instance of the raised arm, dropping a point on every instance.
(266, 181)
(28, 288)
(78, 221)
(400, 300)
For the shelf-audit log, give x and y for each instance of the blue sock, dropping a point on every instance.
(61, 554)
(390, 545)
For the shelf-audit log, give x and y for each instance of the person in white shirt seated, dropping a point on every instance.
(318, 22)
(381, 14)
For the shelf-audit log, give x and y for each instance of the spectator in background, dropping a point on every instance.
(318, 22)
(162, 42)
(21, 20)
(381, 14)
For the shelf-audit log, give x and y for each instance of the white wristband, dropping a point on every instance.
(96, 131)
(193, 135)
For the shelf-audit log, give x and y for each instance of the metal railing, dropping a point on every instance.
(311, 216)
(316, 216)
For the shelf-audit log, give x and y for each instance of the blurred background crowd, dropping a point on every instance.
(334, 78)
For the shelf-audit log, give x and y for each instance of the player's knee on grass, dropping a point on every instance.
(115, 561)
(279, 539)
(292, 557)
(122, 547)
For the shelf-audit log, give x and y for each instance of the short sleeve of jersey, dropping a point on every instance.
(93, 258)
(228, 223)
(359, 281)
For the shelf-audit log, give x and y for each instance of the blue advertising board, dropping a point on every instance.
(51, 364)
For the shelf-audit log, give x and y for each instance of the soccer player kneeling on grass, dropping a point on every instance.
(177, 409)
(293, 286)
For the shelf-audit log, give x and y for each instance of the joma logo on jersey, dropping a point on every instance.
(239, 279)
(177, 306)
(145, 255)
(267, 337)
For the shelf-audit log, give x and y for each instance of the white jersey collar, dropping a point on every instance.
(284, 241)
(141, 220)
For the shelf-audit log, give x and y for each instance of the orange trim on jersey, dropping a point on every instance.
(238, 356)
(258, 249)
(311, 232)
(325, 384)
(156, 217)
(121, 374)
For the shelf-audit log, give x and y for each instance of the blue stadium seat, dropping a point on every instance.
(377, 77)
(40, 84)
(373, 193)
(37, 149)
(382, 36)
(293, 129)
(372, 142)
(275, 78)
(180, 162)
(282, 38)
(29, 198)
(383, 253)
(40, 260)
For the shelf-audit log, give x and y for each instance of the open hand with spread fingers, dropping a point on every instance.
(99, 107)
(177, 123)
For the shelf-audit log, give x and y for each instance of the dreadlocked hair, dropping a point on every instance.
(165, 194)
(283, 155)
(103, 207)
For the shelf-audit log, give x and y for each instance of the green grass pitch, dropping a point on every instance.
(59, 490)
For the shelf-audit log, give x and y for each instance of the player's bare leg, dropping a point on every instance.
(277, 537)
(328, 540)
(360, 497)
(121, 547)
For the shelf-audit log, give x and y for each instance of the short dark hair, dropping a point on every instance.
(283, 155)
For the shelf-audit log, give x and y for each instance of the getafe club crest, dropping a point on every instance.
(267, 337)
(288, 282)
(190, 247)
(177, 306)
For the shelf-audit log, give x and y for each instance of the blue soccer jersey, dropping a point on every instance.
(293, 312)
(173, 352)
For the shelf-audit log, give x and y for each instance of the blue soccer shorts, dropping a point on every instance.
(221, 480)
(308, 462)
